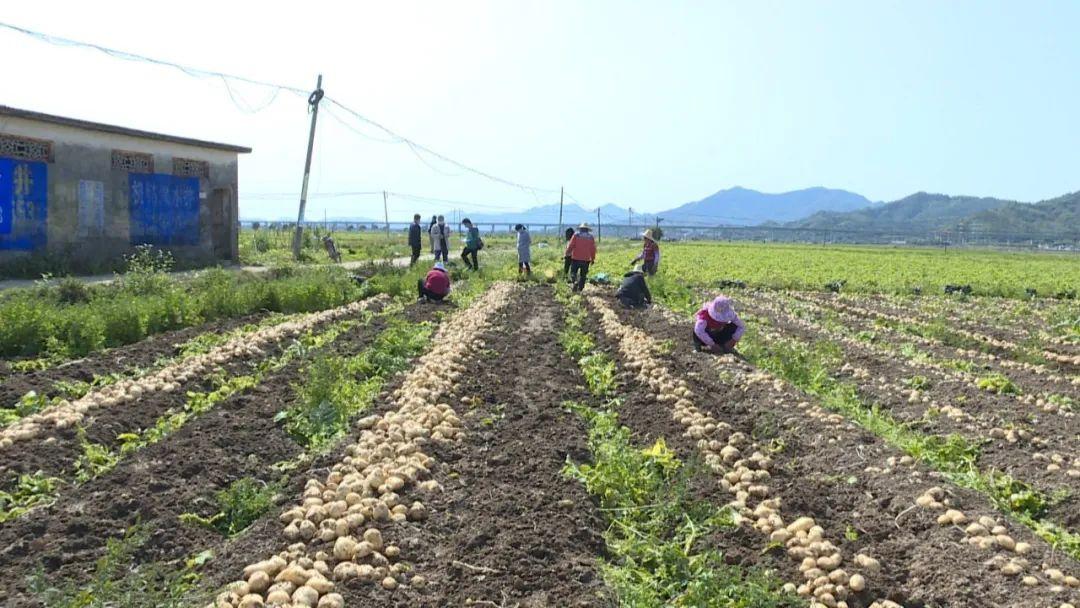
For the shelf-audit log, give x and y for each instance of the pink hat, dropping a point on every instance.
(720, 308)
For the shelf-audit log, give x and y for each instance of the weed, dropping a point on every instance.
(94, 460)
(997, 383)
(599, 372)
(118, 581)
(28, 492)
(239, 506)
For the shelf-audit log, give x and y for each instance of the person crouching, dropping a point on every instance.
(634, 292)
(717, 328)
(436, 285)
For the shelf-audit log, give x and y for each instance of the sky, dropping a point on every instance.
(642, 104)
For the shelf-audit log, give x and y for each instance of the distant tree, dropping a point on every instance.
(255, 225)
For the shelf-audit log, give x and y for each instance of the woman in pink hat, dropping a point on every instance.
(717, 328)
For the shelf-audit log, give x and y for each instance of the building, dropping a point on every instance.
(92, 191)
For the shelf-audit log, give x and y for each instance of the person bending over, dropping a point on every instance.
(634, 292)
(436, 285)
(717, 328)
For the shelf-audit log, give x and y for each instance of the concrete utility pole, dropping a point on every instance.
(597, 224)
(386, 214)
(561, 192)
(313, 103)
(630, 219)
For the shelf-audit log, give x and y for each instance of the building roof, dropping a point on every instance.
(104, 128)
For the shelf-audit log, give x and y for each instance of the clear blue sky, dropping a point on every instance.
(642, 104)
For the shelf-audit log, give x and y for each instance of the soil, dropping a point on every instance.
(497, 534)
(819, 471)
(238, 438)
(143, 354)
(1061, 433)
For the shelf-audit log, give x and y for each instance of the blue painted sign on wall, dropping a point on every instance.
(24, 191)
(164, 209)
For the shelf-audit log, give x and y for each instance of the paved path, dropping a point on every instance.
(100, 279)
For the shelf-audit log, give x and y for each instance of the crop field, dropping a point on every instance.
(305, 440)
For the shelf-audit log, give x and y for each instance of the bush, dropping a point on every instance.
(24, 328)
(72, 291)
(83, 332)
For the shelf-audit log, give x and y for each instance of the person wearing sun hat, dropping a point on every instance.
(582, 253)
(650, 253)
(634, 291)
(717, 327)
(436, 285)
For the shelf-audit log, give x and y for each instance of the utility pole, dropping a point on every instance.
(386, 215)
(561, 193)
(313, 104)
(598, 224)
(630, 220)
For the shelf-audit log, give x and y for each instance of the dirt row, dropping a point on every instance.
(503, 527)
(140, 355)
(56, 450)
(828, 470)
(949, 406)
(1005, 352)
(1033, 379)
(1001, 319)
(152, 487)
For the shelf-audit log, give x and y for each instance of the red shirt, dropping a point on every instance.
(581, 248)
(437, 281)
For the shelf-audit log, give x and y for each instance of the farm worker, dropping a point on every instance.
(436, 285)
(569, 234)
(440, 239)
(650, 254)
(634, 292)
(415, 241)
(582, 252)
(473, 244)
(524, 242)
(717, 328)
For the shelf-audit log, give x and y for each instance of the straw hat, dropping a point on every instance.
(649, 235)
(584, 226)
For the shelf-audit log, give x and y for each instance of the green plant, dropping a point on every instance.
(29, 403)
(94, 459)
(120, 581)
(239, 506)
(918, 383)
(599, 372)
(28, 492)
(997, 383)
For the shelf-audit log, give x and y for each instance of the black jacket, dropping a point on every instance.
(415, 230)
(634, 289)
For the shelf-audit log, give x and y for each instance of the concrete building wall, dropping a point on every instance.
(88, 209)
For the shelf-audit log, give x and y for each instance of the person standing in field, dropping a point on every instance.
(717, 328)
(650, 254)
(524, 243)
(440, 239)
(582, 253)
(569, 234)
(634, 292)
(415, 239)
(436, 285)
(473, 244)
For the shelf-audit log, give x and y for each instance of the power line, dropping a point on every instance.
(418, 149)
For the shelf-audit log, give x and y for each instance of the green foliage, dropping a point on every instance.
(119, 581)
(28, 492)
(239, 506)
(94, 459)
(335, 389)
(655, 554)
(919, 383)
(147, 301)
(29, 403)
(997, 383)
(148, 271)
(599, 372)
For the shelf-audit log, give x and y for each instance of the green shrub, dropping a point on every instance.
(83, 332)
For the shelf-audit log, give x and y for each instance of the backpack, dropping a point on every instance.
(479, 243)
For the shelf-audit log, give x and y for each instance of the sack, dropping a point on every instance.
(479, 243)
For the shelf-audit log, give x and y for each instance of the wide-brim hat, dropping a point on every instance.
(440, 266)
(584, 226)
(721, 307)
(649, 235)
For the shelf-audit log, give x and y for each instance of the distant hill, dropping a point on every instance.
(744, 207)
(920, 211)
(932, 212)
(572, 214)
(1057, 215)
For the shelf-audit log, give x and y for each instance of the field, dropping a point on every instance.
(301, 439)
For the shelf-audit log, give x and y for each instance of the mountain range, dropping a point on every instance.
(819, 208)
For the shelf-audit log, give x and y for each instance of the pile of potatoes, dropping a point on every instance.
(168, 379)
(744, 471)
(989, 534)
(1059, 463)
(334, 531)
